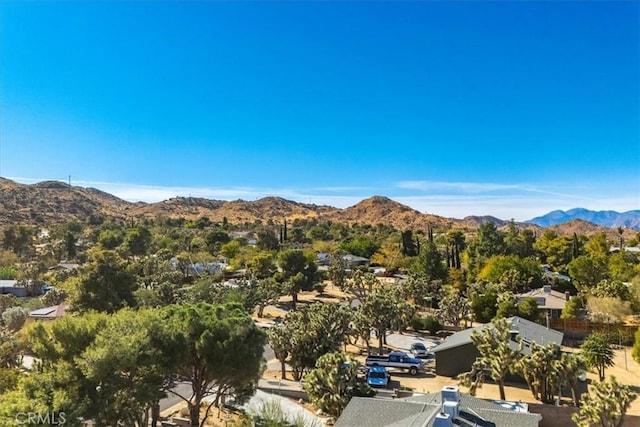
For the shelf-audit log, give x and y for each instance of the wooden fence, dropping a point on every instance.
(579, 328)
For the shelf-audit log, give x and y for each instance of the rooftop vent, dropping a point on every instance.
(451, 408)
(450, 394)
(443, 420)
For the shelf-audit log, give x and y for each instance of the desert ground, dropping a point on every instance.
(626, 370)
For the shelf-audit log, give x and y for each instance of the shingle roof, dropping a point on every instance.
(384, 413)
(548, 300)
(458, 339)
(527, 331)
(420, 411)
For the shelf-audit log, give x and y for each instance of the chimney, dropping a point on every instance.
(451, 408)
(546, 289)
(442, 420)
(450, 404)
(450, 393)
(567, 295)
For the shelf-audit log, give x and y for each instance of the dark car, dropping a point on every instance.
(420, 351)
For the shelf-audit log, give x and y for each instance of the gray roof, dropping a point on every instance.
(458, 339)
(384, 413)
(546, 298)
(527, 331)
(354, 258)
(420, 411)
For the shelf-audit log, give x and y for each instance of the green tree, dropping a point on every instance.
(131, 360)
(211, 339)
(58, 345)
(456, 243)
(267, 292)
(9, 350)
(597, 353)
(518, 274)
(598, 245)
(497, 356)
(528, 309)
(488, 242)
(611, 288)
(31, 278)
(557, 251)
(106, 284)
(587, 271)
(333, 382)
(298, 271)
(315, 330)
(360, 245)
(569, 368)
(361, 284)
(484, 301)
(605, 405)
(573, 308)
(382, 308)
(281, 344)
(421, 291)
(430, 263)
(137, 241)
(18, 239)
(261, 265)
(337, 270)
(13, 318)
(110, 239)
(8, 272)
(538, 370)
(231, 249)
(636, 346)
(216, 238)
(455, 308)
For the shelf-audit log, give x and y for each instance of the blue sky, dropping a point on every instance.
(509, 109)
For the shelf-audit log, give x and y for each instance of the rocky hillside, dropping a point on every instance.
(53, 202)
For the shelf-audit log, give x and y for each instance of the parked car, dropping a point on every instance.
(398, 360)
(420, 351)
(378, 376)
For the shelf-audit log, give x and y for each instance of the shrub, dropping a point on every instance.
(432, 324)
(14, 318)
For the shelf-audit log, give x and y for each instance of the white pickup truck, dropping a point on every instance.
(397, 360)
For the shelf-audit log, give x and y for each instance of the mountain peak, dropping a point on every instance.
(630, 219)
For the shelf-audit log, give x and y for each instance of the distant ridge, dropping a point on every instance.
(55, 202)
(629, 219)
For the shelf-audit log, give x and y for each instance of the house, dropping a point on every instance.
(353, 261)
(11, 287)
(630, 249)
(323, 259)
(554, 275)
(547, 299)
(448, 408)
(457, 353)
(64, 266)
(49, 313)
(350, 261)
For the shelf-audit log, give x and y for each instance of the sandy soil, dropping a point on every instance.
(626, 370)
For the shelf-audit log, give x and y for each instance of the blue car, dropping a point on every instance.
(378, 376)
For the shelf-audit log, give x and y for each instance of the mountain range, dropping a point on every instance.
(53, 202)
(629, 219)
